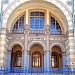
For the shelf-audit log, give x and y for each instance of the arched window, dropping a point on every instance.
(19, 25)
(55, 27)
(37, 20)
(36, 59)
(18, 59)
(55, 60)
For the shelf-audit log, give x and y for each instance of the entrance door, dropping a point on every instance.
(36, 55)
(36, 59)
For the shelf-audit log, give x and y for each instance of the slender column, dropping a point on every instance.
(45, 59)
(24, 59)
(27, 17)
(28, 54)
(8, 59)
(64, 60)
(25, 54)
(47, 47)
(50, 59)
(48, 20)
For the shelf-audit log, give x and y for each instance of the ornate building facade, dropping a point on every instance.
(37, 34)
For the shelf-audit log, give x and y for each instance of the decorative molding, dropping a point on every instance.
(69, 2)
(9, 51)
(15, 37)
(6, 1)
(36, 38)
(57, 39)
(58, 3)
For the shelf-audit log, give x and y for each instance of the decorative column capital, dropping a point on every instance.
(47, 31)
(9, 51)
(28, 52)
(26, 29)
(47, 51)
(64, 53)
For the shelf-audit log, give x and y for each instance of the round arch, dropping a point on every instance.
(16, 43)
(36, 42)
(66, 12)
(59, 45)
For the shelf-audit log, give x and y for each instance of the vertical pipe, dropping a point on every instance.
(73, 19)
(1, 12)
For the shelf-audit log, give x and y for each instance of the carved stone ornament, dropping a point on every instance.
(6, 1)
(69, 2)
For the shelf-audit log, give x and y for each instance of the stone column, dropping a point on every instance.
(50, 61)
(28, 61)
(25, 53)
(24, 59)
(64, 60)
(47, 48)
(45, 59)
(8, 59)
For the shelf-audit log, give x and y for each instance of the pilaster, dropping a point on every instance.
(70, 49)
(3, 46)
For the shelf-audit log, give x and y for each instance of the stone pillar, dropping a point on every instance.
(8, 59)
(50, 61)
(45, 59)
(70, 48)
(25, 57)
(3, 46)
(47, 48)
(64, 60)
(28, 61)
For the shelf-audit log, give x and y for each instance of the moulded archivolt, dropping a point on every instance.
(17, 3)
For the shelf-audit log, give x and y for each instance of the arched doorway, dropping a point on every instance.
(56, 57)
(16, 56)
(36, 56)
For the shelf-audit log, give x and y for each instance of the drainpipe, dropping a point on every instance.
(73, 20)
(1, 13)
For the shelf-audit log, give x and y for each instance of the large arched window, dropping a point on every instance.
(18, 59)
(55, 27)
(36, 59)
(37, 20)
(19, 25)
(55, 60)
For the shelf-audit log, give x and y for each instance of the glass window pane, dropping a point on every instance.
(31, 23)
(36, 60)
(55, 27)
(41, 23)
(19, 25)
(38, 22)
(54, 60)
